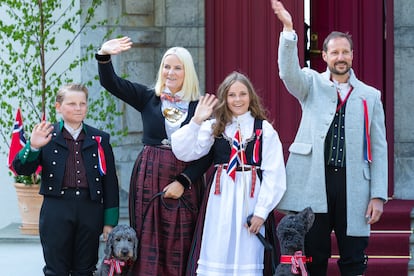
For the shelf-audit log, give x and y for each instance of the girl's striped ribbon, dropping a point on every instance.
(256, 148)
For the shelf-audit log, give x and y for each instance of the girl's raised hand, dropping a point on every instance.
(205, 108)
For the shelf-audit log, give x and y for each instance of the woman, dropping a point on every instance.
(249, 177)
(164, 192)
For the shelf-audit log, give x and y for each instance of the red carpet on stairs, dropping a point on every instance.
(389, 245)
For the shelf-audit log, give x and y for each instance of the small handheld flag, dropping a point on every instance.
(237, 155)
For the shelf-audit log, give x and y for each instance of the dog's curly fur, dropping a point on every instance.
(122, 244)
(291, 232)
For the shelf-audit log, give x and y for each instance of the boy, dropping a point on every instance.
(79, 185)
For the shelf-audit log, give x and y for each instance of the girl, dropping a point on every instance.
(249, 178)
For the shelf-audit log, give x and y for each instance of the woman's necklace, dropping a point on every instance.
(173, 107)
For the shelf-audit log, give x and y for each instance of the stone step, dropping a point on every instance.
(12, 234)
(384, 243)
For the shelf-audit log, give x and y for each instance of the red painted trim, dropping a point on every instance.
(388, 96)
(243, 35)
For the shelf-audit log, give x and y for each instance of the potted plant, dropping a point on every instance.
(29, 201)
(38, 42)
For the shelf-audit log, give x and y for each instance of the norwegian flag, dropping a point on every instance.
(237, 155)
(18, 140)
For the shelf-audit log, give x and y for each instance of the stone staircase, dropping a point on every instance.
(391, 242)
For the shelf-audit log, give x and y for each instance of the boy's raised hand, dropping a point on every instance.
(41, 135)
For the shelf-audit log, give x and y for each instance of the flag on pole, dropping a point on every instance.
(18, 140)
(39, 169)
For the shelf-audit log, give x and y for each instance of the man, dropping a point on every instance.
(328, 168)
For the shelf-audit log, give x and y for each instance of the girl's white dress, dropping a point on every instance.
(227, 248)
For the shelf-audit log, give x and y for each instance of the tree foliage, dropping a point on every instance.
(38, 42)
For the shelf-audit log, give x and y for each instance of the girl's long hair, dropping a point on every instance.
(223, 114)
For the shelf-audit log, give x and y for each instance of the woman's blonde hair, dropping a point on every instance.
(191, 86)
(70, 87)
(223, 114)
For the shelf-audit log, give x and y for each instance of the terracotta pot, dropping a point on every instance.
(29, 202)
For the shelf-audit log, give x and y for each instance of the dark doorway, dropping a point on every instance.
(372, 34)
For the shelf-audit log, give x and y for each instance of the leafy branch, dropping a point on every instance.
(38, 40)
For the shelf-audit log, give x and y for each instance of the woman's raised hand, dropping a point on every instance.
(205, 108)
(115, 46)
